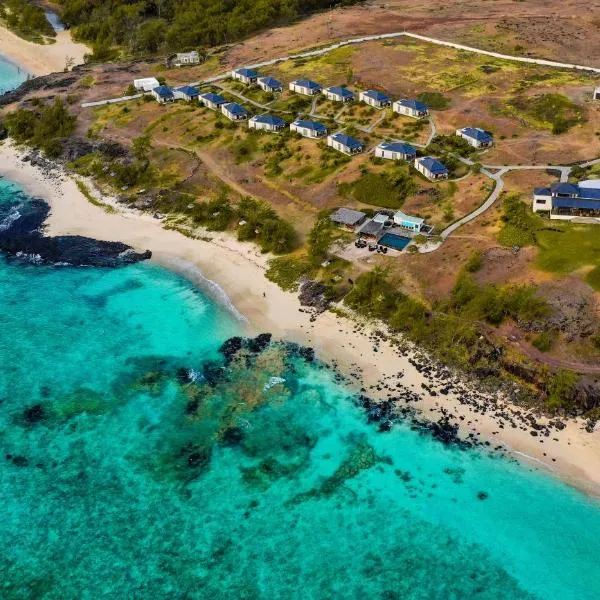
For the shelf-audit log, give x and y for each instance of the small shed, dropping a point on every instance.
(597, 93)
(348, 218)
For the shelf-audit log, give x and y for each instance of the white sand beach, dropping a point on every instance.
(238, 268)
(39, 59)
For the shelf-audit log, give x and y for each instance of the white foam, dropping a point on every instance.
(10, 218)
(211, 288)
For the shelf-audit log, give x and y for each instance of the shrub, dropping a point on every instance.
(388, 189)
(286, 271)
(543, 341)
(434, 100)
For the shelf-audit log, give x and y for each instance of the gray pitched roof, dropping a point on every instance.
(347, 216)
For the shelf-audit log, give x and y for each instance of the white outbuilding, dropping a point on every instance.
(147, 84)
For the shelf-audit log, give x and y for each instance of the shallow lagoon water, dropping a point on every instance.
(118, 479)
(11, 75)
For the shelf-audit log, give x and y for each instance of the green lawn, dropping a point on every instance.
(566, 247)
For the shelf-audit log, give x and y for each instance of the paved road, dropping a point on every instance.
(370, 38)
(497, 177)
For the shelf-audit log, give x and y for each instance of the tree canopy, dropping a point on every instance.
(146, 26)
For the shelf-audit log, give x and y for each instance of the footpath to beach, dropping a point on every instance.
(234, 272)
(39, 59)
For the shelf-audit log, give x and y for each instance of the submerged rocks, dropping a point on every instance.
(34, 414)
(21, 238)
(231, 347)
(259, 343)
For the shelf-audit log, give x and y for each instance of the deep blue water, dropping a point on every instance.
(121, 478)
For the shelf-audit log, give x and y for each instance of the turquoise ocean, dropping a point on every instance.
(11, 75)
(138, 461)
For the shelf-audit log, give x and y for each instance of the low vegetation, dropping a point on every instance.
(387, 189)
(25, 19)
(564, 248)
(45, 127)
(548, 111)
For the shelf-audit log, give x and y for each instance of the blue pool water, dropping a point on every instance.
(11, 75)
(391, 240)
(119, 478)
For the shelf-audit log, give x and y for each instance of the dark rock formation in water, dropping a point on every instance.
(21, 237)
(34, 414)
(53, 81)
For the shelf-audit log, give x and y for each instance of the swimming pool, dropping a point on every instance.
(392, 240)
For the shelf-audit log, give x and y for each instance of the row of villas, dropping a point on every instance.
(306, 87)
(428, 166)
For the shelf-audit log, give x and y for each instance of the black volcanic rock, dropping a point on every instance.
(45, 82)
(21, 237)
(259, 343)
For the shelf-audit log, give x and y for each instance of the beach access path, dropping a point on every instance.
(238, 269)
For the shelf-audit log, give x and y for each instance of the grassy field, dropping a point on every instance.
(568, 248)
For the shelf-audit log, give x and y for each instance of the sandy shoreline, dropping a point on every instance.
(38, 59)
(238, 269)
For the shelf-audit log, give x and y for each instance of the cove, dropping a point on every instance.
(139, 459)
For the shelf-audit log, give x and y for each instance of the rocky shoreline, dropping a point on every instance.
(22, 238)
